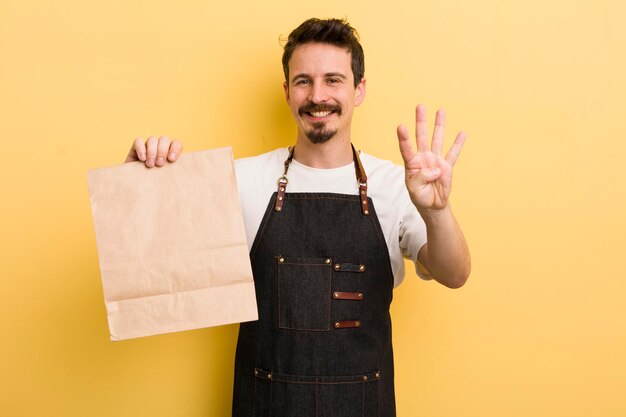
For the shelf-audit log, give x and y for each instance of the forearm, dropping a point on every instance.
(446, 255)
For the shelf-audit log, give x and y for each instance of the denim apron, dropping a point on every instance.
(322, 344)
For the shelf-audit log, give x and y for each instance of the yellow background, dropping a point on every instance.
(540, 328)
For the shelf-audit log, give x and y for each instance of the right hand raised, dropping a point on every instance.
(155, 152)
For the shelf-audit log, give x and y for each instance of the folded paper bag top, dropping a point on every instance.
(171, 245)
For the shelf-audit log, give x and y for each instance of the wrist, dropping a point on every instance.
(433, 216)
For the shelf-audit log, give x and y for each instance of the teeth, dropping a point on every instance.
(320, 113)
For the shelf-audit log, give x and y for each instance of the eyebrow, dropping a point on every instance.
(328, 74)
(336, 74)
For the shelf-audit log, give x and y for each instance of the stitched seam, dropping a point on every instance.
(379, 385)
(254, 399)
(278, 296)
(362, 400)
(317, 196)
(321, 383)
(330, 290)
(264, 223)
(317, 400)
(381, 238)
(289, 379)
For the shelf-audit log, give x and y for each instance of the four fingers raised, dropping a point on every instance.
(421, 133)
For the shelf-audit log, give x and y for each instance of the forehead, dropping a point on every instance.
(320, 58)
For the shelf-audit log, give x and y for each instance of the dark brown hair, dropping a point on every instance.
(333, 31)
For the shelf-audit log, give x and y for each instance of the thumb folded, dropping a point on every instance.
(431, 174)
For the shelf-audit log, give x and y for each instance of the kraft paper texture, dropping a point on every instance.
(171, 245)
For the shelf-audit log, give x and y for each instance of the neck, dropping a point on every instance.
(334, 153)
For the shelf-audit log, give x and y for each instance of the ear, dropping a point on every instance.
(359, 94)
(286, 88)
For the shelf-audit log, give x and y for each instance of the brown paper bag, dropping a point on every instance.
(171, 245)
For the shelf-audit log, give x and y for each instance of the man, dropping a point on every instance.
(328, 228)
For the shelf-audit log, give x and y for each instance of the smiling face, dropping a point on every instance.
(321, 92)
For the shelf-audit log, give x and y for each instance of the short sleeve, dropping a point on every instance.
(413, 236)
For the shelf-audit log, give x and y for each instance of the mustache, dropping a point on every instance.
(315, 107)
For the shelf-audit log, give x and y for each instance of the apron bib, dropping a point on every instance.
(322, 344)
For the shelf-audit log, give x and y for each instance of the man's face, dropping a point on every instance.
(320, 91)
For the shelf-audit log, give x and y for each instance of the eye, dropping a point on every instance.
(302, 81)
(333, 80)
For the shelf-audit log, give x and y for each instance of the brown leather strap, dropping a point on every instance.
(342, 295)
(280, 197)
(282, 183)
(360, 172)
(360, 176)
(289, 159)
(347, 324)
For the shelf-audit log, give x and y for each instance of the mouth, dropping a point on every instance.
(318, 112)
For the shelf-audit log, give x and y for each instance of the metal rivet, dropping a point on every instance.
(327, 260)
(357, 323)
(282, 188)
(269, 376)
(363, 192)
(280, 199)
(337, 267)
(364, 377)
(335, 295)
(360, 295)
(377, 374)
(366, 212)
(281, 260)
(364, 201)
(337, 325)
(278, 209)
(256, 372)
(361, 268)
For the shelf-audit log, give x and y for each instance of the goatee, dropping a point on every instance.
(319, 133)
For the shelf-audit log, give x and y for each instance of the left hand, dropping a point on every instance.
(154, 152)
(428, 175)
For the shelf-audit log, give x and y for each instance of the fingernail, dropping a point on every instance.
(172, 156)
(150, 162)
(142, 156)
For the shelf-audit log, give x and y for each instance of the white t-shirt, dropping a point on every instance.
(403, 228)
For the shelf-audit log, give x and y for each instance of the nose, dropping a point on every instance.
(318, 93)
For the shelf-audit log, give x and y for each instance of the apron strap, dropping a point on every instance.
(282, 182)
(360, 176)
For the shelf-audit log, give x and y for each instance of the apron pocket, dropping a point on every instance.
(280, 395)
(304, 293)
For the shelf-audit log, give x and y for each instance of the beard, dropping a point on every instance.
(319, 133)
